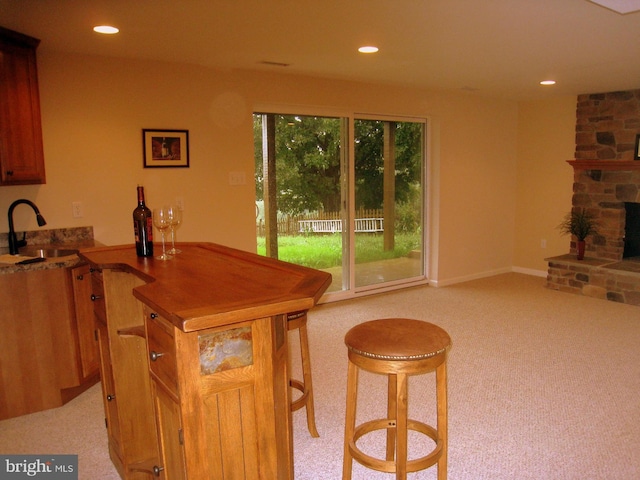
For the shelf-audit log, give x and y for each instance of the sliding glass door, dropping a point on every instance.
(388, 177)
(360, 219)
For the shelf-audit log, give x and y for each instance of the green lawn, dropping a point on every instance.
(325, 251)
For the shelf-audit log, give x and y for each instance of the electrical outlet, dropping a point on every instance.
(543, 243)
(78, 210)
(180, 203)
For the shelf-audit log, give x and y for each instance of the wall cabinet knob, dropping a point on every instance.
(110, 397)
(95, 297)
(156, 470)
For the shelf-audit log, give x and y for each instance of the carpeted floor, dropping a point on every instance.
(542, 385)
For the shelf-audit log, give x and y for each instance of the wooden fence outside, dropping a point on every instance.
(367, 220)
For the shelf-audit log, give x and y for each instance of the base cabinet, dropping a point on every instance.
(48, 349)
(194, 360)
(223, 381)
(171, 464)
(111, 420)
(84, 327)
(126, 389)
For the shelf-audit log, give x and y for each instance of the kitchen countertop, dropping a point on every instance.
(210, 285)
(63, 239)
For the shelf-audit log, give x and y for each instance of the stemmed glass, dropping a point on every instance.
(162, 222)
(175, 219)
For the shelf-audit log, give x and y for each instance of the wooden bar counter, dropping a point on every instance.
(194, 360)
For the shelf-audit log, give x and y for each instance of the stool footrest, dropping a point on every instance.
(302, 400)
(389, 466)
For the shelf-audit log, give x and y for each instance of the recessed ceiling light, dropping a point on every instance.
(106, 29)
(620, 6)
(368, 49)
(548, 82)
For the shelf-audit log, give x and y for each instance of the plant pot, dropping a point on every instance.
(580, 248)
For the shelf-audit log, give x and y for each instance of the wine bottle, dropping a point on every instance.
(143, 226)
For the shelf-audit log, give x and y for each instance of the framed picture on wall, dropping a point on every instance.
(636, 155)
(165, 148)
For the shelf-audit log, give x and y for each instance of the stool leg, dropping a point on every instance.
(350, 421)
(401, 427)
(391, 416)
(441, 393)
(306, 376)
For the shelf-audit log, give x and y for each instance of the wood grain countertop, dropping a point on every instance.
(209, 285)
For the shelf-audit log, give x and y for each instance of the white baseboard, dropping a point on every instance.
(476, 276)
(467, 278)
(530, 271)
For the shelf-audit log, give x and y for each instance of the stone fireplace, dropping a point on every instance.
(607, 192)
(607, 185)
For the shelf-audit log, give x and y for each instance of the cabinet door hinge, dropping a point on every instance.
(181, 436)
(95, 335)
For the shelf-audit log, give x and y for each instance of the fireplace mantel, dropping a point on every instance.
(604, 164)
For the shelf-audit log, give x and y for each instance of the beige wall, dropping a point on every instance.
(94, 108)
(546, 139)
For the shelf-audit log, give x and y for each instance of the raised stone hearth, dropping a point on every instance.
(599, 278)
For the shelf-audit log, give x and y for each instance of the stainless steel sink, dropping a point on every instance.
(48, 252)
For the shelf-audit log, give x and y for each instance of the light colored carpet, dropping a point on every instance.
(542, 385)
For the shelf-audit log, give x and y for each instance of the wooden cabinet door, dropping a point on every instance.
(21, 151)
(169, 423)
(85, 321)
(109, 396)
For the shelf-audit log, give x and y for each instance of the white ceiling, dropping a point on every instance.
(484, 47)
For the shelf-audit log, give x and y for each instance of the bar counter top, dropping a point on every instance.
(209, 285)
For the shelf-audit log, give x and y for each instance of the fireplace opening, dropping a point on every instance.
(632, 230)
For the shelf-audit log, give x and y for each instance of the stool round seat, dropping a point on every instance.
(397, 339)
(397, 348)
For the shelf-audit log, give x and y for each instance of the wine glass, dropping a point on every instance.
(175, 219)
(162, 223)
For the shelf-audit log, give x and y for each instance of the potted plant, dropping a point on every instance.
(580, 224)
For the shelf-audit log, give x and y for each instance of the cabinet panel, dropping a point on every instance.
(21, 151)
(162, 351)
(97, 296)
(39, 351)
(124, 368)
(85, 322)
(109, 397)
(169, 424)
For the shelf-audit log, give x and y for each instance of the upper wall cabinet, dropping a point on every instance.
(21, 153)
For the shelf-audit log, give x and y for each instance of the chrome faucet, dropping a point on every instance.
(14, 243)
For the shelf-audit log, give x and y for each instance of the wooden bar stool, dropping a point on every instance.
(398, 348)
(298, 321)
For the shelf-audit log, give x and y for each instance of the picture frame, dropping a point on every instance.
(636, 154)
(165, 148)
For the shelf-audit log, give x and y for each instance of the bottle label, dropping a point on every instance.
(150, 229)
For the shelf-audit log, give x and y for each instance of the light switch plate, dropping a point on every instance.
(77, 209)
(237, 178)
